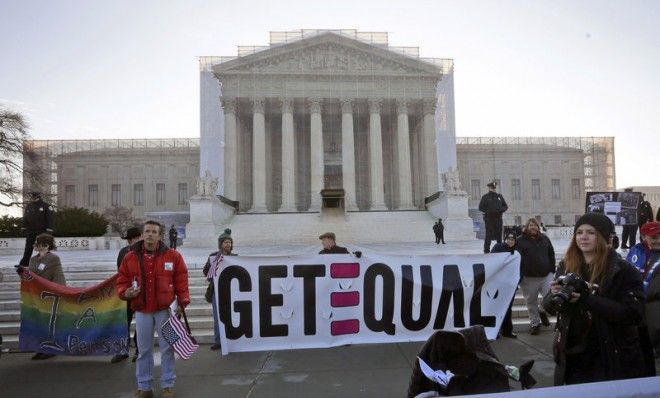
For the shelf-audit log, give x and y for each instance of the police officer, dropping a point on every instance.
(493, 205)
(37, 219)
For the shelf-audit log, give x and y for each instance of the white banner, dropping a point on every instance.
(274, 303)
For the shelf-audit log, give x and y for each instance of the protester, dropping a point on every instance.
(225, 247)
(328, 240)
(646, 257)
(508, 246)
(644, 213)
(152, 275)
(629, 230)
(132, 235)
(537, 265)
(493, 205)
(174, 235)
(439, 231)
(597, 337)
(47, 265)
(37, 219)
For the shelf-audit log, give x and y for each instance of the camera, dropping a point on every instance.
(571, 283)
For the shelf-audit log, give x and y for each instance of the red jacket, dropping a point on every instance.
(168, 283)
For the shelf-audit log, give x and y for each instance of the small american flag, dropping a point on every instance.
(215, 267)
(175, 333)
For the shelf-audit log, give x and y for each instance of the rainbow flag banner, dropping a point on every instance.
(62, 320)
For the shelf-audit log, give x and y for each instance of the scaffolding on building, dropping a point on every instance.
(598, 154)
(48, 151)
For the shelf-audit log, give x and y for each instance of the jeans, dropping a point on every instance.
(216, 322)
(146, 323)
(531, 287)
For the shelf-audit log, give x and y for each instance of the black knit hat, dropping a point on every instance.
(225, 235)
(601, 222)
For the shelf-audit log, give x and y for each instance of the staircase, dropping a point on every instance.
(199, 311)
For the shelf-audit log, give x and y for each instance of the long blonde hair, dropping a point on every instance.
(574, 259)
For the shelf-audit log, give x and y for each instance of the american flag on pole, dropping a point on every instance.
(215, 266)
(175, 333)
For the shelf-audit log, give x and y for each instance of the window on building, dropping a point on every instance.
(515, 189)
(558, 220)
(576, 192)
(138, 195)
(556, 189)
(160, 194)
(536, 189)
(70, 195)
(115, 195)
(475, 191)
(92, 195)
(183, 193)
(517, 220)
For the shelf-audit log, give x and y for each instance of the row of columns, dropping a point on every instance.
(376, 188)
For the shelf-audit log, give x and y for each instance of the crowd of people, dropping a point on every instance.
(607, 307)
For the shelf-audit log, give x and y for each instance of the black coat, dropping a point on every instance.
(644, 213)
(616, 309)
(503, 248)
(38, 217)
(493, 205)
(335, 250)
(537, 256)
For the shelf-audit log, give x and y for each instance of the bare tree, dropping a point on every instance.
(15, 154)
(120, 218)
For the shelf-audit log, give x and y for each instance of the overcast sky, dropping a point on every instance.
(128, 69)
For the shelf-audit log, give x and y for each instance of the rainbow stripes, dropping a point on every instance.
(62, 320)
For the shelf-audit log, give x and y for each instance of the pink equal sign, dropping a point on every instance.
(349, 326)
(344, 270)
(344, 299)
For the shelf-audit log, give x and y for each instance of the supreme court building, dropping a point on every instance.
(329, 130)
(319, 110)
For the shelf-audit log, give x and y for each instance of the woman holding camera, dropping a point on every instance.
(600, 303)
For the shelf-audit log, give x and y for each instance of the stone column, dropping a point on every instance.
(376, 156)
(403, 156)
(348, 153)
(288, 157)
(258, 156)
(231, 150)
(316, 153)
(431, 184)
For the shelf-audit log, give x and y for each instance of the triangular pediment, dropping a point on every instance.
(328, 53)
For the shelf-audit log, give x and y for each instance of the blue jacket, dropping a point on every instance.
(638, 256)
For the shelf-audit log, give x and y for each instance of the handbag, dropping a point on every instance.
(208, 296)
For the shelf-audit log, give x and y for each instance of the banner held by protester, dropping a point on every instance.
(270, 303)
(62, 320)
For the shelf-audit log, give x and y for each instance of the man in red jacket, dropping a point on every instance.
(152, 275)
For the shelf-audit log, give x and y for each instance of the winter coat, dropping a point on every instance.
(503, 248)
(38, 217)
(616, 311)
(468, 355)
(168, 284)
(638, 256)
(335, 250)
(537, 256)
(493, 205)
(644, 213)
(207, 267)
(173, 234)
(653, 303)
(49, 267)
(122, 253)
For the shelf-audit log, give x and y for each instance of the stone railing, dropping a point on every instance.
(17, 245)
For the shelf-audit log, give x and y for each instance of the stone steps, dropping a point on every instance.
(199, 312)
